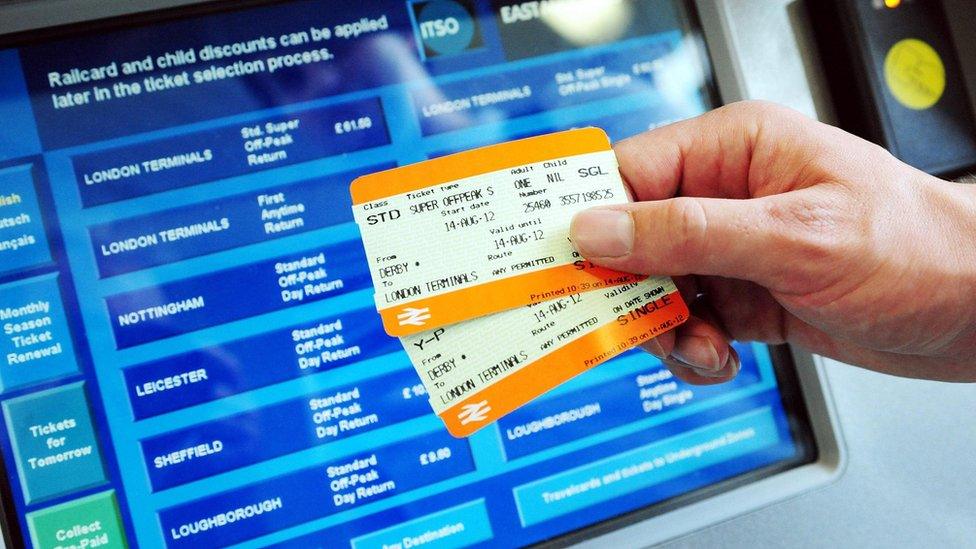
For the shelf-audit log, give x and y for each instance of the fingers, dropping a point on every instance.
(696, 377)
(747, 311)
(713, 154)
(669, 237)
(696, 352)
(660, 346)
(734, 218)
(953, 369)
(744, 239)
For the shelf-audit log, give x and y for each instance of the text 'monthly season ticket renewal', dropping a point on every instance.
(485, 230)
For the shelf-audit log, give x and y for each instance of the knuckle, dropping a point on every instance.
(687, 226)
(877, 153)
(760, 109)
(816, 232)
(882, 158)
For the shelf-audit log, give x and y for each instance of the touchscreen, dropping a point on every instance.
(190, 355)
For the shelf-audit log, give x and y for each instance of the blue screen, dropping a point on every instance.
(190, 352)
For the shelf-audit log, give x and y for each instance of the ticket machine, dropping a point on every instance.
(190, 352)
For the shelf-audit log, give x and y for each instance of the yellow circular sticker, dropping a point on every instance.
(914, 73)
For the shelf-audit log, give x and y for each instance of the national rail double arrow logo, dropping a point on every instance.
(414, 317)
(472, 413)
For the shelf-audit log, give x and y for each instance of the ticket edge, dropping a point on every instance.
(461, 165)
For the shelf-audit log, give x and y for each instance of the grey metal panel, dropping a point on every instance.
(962, 24)
(765, 50)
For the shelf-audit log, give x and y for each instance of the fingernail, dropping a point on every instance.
(730, 369)
(708, 373)
(602, 233)
(697, 352)
(734, 363)
(654, 347)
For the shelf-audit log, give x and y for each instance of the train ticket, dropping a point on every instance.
(477, 371)
(485, 230)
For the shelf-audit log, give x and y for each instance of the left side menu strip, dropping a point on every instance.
(23, 242)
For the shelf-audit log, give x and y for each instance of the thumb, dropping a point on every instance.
(685, 235)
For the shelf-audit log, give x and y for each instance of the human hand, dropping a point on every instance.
(781, 229)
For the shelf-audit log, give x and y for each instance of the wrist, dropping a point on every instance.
(952, 206)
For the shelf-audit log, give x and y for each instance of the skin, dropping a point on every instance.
(781, 229)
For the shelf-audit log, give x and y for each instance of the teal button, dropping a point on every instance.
(35, 344)
(646, 466)
(459, 526)
(54, 442)
(23, 242)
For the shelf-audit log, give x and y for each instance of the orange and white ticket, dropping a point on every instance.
(477, 371)
(485, 230)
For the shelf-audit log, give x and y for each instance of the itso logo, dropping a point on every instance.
(445, 27)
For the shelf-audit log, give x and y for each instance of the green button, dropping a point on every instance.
(83, 523)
